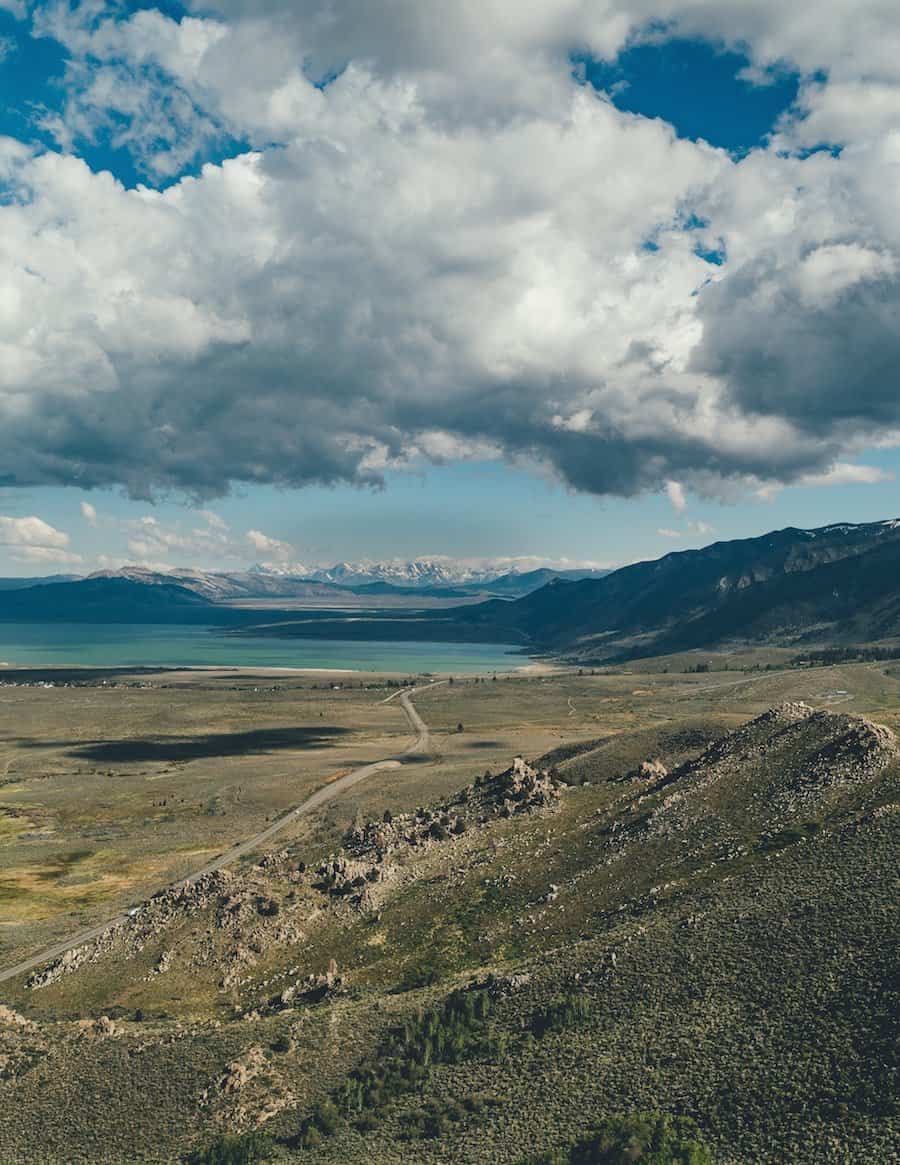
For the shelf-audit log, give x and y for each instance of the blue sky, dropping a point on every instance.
(470, 511)
(701, 89)
(451, 379)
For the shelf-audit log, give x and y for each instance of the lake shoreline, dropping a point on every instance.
(143, 648)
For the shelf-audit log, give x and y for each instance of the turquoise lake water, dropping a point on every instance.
(142, 645)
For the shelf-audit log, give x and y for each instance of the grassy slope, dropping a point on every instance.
(752, 985)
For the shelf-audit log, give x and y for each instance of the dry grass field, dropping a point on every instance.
(113, 790)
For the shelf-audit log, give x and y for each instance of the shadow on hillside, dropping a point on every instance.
(186, 748)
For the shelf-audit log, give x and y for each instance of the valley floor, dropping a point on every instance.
(710, 937)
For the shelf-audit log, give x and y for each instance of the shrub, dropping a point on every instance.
(458, 1029)
(235, 1150)
(565, 1012)
(651, 1139)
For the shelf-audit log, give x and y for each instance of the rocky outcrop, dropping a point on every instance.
(128, 936)
(522, 789)
(363, 866)
(779, 769)
(254, 912)
(242, 1071)
(103, 1028)
(11, 1019)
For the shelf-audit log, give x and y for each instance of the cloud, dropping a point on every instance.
(431, 242)
(214, 521)
(32, 539)
(675, 493)
(202, 539)
(693, 530)
(274, 550)
(846, 473)
(152, 542)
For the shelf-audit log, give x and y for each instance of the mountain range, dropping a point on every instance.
(431, 572)
(432, 577)
(836, 584)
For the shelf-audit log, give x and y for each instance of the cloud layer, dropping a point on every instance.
(433, 242)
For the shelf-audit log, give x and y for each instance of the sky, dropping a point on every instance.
(302, 281)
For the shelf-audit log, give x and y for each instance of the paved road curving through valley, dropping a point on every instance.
(419, 747)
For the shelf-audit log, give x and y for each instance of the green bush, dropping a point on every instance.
(456, 1030)
(650, 1139)
(235, 1150)
(565, 1012)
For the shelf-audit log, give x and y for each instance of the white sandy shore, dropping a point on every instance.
(213, 671)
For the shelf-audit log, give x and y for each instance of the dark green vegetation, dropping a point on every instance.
(652, 1140)
(456, 1031)
(687, 955)
(249, 1149)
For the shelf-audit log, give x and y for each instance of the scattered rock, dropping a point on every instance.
(11, 1018)
(652, 770)
(240, 1072)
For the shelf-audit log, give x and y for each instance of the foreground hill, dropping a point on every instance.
(683, 936)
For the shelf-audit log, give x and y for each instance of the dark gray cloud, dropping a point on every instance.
(829, 363)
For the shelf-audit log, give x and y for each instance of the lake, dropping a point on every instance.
(149, 645)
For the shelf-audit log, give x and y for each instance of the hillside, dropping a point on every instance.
(18, 584)
(686, 921)
(109, 600)
(836, 584)
(853, 600)
(777, 587)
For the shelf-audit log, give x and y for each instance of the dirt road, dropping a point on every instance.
(322, 796)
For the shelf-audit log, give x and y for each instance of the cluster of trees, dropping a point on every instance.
(649, 1139)
(249, 1149)
(437, 1118)
(456, 1030)
(567, 1011)
(827, 656)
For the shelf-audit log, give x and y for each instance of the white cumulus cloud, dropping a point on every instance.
(433, 241)
(273, 549)
(31, 539)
